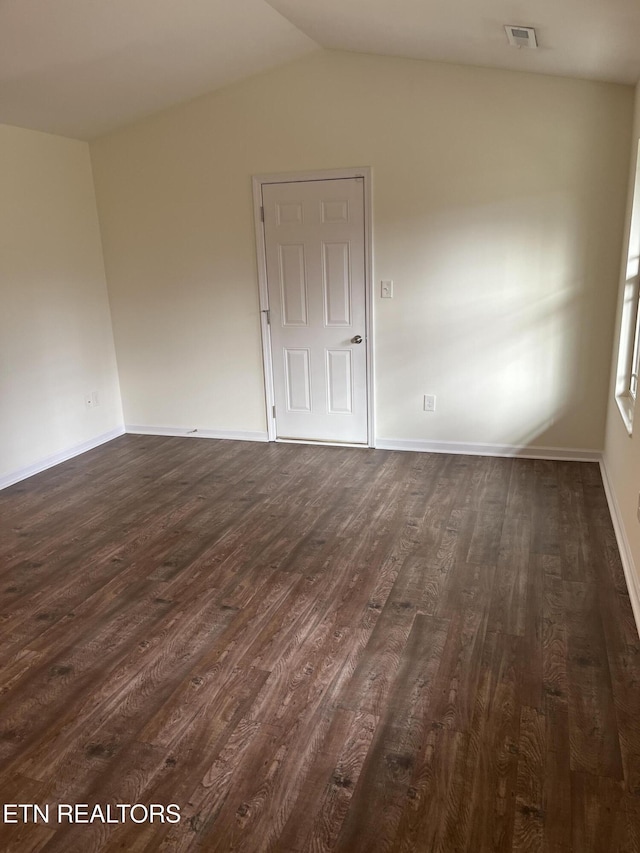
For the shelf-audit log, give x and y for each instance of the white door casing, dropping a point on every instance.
(314, 246)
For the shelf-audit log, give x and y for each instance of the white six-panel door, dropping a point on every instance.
(315, 258)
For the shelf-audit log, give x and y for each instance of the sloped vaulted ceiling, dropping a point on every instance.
(84, 67)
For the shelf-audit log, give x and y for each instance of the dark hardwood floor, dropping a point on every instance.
(315, 648)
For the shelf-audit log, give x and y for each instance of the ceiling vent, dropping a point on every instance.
(521, 36)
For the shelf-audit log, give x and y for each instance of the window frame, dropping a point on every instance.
(628, 367)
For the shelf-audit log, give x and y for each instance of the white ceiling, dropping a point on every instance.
(84, 67)
(596, 39)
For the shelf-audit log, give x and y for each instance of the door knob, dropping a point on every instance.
(356, 340)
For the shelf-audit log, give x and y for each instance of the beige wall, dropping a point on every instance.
(622, 451)
(56, 341)
(498, 212)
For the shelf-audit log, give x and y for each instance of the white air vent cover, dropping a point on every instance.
(521, 36)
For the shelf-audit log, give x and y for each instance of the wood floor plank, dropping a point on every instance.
(336, 801)
(521, 484)
(595, 744)
(623, 653)
(383, 791)
(532, 676)
(529, 825)
(34, 834)
(509, 600)
(318, 649)
(546, 516)
(555, 652)
(558, 807)
(320, 778)
(485, 540)
(434, 813)
(599, 815)
(490, 786)
(467, 608)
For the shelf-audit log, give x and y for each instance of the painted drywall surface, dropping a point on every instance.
(498, 212)
(56, 341)
(622, 451)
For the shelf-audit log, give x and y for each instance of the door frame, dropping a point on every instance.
(258, 181)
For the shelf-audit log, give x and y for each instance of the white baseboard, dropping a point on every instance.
(233, 435)
(461, 447)
(62, 456)
(628, 565)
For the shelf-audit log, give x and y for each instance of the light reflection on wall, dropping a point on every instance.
(504, 310)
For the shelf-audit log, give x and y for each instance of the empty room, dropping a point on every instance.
(380, 592)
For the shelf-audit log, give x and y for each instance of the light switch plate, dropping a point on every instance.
(386, 289)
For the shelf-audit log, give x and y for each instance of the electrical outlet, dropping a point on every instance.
(429, 402)
(386, 289)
